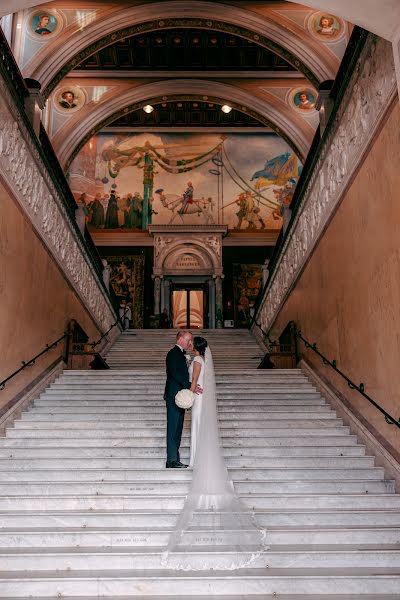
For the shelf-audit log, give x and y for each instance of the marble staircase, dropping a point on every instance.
(86, 504)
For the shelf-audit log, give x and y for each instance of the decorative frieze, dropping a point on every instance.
(25, 175)
(370, 91)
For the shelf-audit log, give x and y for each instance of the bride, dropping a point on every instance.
(196, 376)
(213, 518)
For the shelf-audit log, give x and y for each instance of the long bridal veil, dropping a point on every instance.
(213, 517)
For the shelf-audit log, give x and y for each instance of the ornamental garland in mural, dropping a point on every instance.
(129, 181)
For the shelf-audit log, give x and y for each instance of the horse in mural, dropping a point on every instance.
(200, 206)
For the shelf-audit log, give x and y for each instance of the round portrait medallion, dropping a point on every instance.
(326, 27)
(44, 24)
(69, 98)
(303, 100)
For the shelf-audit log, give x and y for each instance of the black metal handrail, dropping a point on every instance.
(353, 51)
(31, 362)
(353, 386)
(333, 364)
(94, 344)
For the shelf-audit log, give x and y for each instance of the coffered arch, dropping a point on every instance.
(73, 46)
(91, 119)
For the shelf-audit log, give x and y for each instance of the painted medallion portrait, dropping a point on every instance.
(44, 24)
(69, 99)
(304, 100)
(325, 26)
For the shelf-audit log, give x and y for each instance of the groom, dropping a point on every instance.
(177, 379)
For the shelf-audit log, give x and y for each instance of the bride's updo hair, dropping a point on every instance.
(200, 344)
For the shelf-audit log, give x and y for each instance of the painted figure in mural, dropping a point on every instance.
(68, 100)
(326, 27)
(112, 212)
(42, 27)
(241, 214)
(201, 207)
(97, 212)
(187, 198)
(135, 211)
(127, 220)
(248, 211)
(305, 102)
(284, 196)
(82, 202)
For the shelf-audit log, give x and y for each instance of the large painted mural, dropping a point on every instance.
(129, 181)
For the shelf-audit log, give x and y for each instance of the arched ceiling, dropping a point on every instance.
(263, 55)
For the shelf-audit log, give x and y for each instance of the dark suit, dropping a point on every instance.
(177, 379)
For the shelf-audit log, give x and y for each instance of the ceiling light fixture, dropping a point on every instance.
(148, 108)
(226, 109)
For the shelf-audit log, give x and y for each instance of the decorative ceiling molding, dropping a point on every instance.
(248, 74)
(363, 108)
(64, 54)
(81, 129)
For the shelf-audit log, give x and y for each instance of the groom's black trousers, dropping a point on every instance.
(175, 418)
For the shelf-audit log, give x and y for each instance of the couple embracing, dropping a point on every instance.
(181, 376)
(211, 500)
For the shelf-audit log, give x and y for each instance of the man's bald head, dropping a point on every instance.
(185, 339)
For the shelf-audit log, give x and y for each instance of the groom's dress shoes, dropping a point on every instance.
(175, 464)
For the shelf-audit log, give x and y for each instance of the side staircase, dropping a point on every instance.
(86, 504)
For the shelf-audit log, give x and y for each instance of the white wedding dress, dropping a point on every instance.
(213, 517)
(196, 408)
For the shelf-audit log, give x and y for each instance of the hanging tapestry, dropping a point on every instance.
(127, 280)
(247, 282)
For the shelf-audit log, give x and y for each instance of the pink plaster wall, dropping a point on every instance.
(348, 297)
(36, 301)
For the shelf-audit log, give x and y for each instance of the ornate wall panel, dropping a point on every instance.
(370, 91)
(27, 178)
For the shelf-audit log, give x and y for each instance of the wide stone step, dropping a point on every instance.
(159, 419)
(146, 559)
(274, 583)
(157, 537)
(226, 412)
(152, 487)
(155, 476)
(62, 521)
(280, 453)
(290, 439)
(265, 501)
(148, 463)
(281, 430)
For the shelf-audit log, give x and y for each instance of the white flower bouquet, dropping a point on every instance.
(184, 399)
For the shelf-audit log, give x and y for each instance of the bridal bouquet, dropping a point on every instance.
(184, 399)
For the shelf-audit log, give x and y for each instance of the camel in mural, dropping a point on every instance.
(200, 206)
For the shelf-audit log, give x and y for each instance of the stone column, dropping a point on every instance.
(218, 302)
(211, 304)
(165, 295)
(157, 294)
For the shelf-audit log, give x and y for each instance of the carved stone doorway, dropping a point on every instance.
(189, 258)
